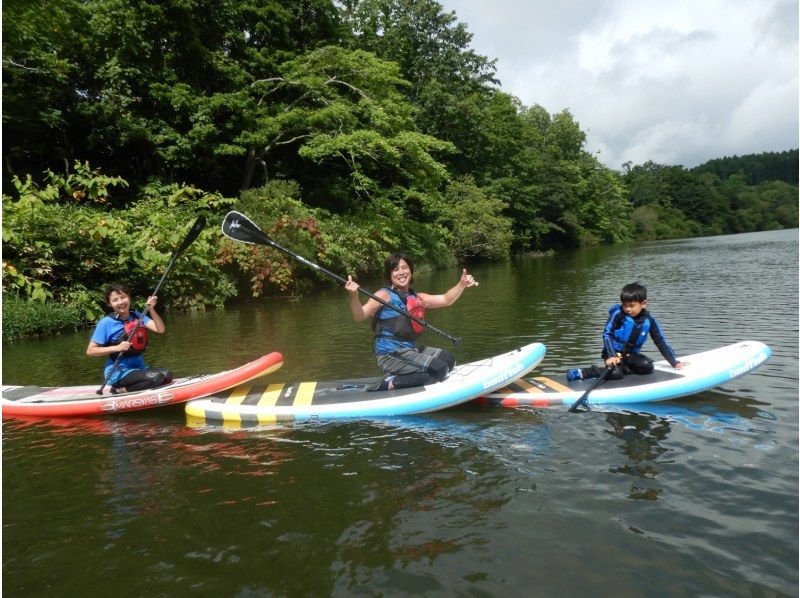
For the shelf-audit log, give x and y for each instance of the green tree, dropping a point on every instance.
(148, 88)
(475, 221)
(565, 197)
(756, 168)
(646, 185)
(674, 202)
(39, 93)
(342, 112)
(428, 44)
(450, 83)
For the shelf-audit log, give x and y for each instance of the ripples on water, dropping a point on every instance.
(696, 496)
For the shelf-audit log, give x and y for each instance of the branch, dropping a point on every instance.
(270, 80)
(22, 66)
(294, 103)
(288, 141)
(346, 84)
(274, 89)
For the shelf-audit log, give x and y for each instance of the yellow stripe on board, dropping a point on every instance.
(238, 395)
(270, 396)
(199, 414)
(230, 416)
(305, 394)
(554, 385)
(196, 416)
(267, 419)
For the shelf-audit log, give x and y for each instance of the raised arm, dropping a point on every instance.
(156, 324)
(452, 295)
(366, 311)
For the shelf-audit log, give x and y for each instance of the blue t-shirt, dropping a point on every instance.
(108, 329)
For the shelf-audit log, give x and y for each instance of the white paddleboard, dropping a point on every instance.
(704, 371)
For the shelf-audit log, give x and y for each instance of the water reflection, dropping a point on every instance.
(388, 496)
(640, 443)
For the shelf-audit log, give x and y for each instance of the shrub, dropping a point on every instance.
(343, 244)
(23, 318)
(61, 244)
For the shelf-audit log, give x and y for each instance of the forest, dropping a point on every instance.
(345, 129)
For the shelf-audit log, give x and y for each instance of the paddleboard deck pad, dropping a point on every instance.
(704, 371)
(259, 403)
(83, 400)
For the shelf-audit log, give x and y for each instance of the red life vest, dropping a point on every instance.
(415, 307)
(138, 341)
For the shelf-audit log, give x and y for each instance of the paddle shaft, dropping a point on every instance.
(455, 340)
(193, 233)
(594, 385)
(265, 239)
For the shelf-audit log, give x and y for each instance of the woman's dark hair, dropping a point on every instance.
(116, 287)
(391, 263)
(635, 291)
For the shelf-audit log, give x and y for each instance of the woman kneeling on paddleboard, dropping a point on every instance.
(127, 372)
(395, 335)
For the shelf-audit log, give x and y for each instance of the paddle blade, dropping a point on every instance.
(239, 227)
(193, 233)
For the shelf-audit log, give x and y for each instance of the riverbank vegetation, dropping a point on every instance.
(345, 130)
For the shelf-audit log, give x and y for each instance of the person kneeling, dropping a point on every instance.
(405, 364)
(110, 339)
(628, 326)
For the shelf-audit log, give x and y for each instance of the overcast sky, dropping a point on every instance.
(673, 81)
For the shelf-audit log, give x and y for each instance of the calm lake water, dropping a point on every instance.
(691, 497)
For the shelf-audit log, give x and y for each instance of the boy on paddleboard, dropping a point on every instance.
(395, 335)
(110, 339)
(628, 326)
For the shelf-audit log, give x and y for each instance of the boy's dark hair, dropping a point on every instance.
(116, 287)
(391, 263)
(635, 291)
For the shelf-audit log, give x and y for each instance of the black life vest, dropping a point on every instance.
(398, 325)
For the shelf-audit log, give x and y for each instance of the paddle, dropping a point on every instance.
(193, 233)
(239, 227)
(594, 385)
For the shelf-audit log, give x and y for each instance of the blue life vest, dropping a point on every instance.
(623, 327)
(393, 331)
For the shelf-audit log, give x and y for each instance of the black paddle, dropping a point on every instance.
(239, 227)
(594, 385)
(193, 233)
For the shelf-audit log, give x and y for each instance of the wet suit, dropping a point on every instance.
(624, 336)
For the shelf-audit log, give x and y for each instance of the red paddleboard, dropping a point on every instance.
(83, 400)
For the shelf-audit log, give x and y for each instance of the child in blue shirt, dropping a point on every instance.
(628, 326)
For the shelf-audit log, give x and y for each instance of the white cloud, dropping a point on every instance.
(676, 82)
(755, 118)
